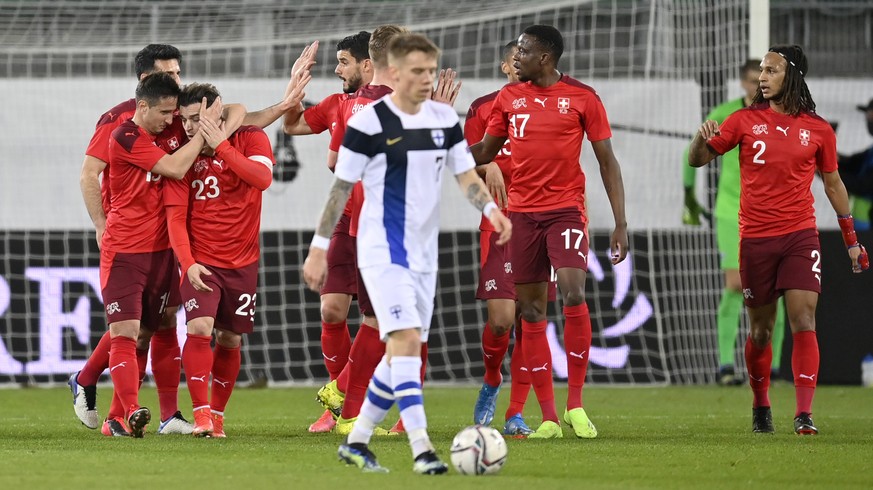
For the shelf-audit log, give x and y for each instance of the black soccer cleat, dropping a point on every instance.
(138, 420)
(803, 425)
(427, 463)
(762, 420)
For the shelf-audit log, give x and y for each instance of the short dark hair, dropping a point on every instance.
(157, 86)
(549, 39)
(751, 64)
(358, 45)
(144, 62)
(193, 93)
(507, 48)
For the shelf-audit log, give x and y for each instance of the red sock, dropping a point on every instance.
(166, 369)
(142, 361)
(225, 370)
(423, 361)
(197, 359)
(335, 346)
(538, 357)
(97, 362)
(804, 363)
(342, 380)
(493, 351)
(758, 362)
(367, 351)
(124, 372)
(577, 341)
(520, 387)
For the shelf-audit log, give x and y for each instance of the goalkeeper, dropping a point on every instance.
(727, 231)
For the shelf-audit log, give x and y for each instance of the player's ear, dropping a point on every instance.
(367, 65)
(504, 67)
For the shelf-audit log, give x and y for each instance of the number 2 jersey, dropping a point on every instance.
(779, 155)
(224, 212)
(545, 127)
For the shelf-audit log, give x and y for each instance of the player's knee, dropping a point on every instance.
(144, 338)
(331, 312)
(802, 322)
(501, 324)
(760, 336)
(227, 339)
(574, 298)
(200, 326)
(531, 312)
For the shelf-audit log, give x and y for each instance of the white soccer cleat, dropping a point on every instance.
(176, 425)
(84, 402)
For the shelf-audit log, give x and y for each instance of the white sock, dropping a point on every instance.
(380, 398)
(406, 379)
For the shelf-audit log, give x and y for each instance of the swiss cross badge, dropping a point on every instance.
(563, 104)
(174, 143)
(804, 137)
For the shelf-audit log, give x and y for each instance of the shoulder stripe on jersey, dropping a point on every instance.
(360, 142)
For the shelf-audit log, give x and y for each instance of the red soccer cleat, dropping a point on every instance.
(203, 426)
(398, 428)
(325, 423)
(218, 425)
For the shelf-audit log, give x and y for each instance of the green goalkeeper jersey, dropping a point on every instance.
(727, 200)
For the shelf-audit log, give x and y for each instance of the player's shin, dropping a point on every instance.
(577, 341)
(758, 360)
(538, 358)
(805, 363)
(494, 349)
(124, 371)
(225, 370)
(97, 362)
(367, 350)
(166, 369)
(407, 391)
(520, 377)
(335, 346)
(197, 360)
(380, 398)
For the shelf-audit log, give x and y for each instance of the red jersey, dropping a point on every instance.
(224, 212)
(135, 222)
(322, 116)
(99, 145)
(545, 126)
(474, 131)
(363, 97)
(779, 155)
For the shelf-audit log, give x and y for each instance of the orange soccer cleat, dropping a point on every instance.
(203, 426)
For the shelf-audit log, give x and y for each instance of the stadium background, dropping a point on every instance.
(658, 65)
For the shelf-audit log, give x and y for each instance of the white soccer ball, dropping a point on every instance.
(478, 450)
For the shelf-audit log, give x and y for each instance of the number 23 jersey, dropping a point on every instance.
(779, 155)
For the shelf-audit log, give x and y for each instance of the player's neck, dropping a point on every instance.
(406, 105)
(547, 79)
(777, 107)
(381, 77)
(137, 119)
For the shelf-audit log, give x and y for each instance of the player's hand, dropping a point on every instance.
(194, 273)
(708, 129)
(446, 89)
(213, 112)
(496, 185)
(296, 95)
(502, 226)
(213, 133)
(315, 268)
(860, 259)
(618, 245)
(692, 211)
(306, 60)
(98, 234)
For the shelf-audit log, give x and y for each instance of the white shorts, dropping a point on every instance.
(401, 298)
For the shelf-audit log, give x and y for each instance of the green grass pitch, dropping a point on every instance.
(674, 437)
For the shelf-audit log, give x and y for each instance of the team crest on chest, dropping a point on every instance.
(563, 104)
(201, 165)
(759, 129)
(804, 137)
(438, 136)
(519, 103)
(173, 143)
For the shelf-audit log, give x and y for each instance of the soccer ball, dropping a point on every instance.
(478, 450)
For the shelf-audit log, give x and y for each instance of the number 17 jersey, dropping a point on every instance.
(545, 127)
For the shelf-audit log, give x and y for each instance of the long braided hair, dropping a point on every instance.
(794, 97)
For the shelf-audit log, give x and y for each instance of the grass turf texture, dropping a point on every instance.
(675, 437)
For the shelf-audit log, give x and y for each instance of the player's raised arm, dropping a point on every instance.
(610, 174)
(447, 89)
(699, 154)
(299, 74)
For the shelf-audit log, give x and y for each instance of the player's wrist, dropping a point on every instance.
(847, 228)
(319, 242)
(486, 211)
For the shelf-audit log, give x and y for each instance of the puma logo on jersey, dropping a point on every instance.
(541, 102)
(392, 141)
(810, 377)
(784, 131)
(541, 368)
(120, 364)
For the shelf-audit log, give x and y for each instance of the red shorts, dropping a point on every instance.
(341, 271)
(231, 302)
(771, 265)
(545, 240)
(495, 276)
(136, 286)
(175, 299)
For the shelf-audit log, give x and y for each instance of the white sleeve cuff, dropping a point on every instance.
(320, 242)
(486, 211)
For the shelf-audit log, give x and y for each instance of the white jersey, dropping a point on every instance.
(400, 158)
